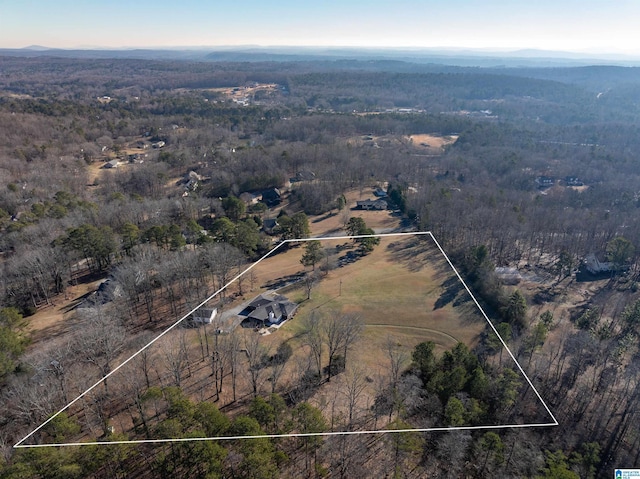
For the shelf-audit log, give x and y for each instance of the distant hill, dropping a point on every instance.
(597, 75)
(36, 48)
(141, 54)
(455, 57)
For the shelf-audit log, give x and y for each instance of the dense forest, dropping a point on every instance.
(145, 172)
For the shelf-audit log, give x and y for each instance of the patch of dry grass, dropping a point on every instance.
(394, 297)
(432, 141)
(398, 291)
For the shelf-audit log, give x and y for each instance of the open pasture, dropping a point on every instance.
(403, 290)
(432, 141)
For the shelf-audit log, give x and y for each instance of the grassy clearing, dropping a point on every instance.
(432, 141)
(394, 297)
(405, 293)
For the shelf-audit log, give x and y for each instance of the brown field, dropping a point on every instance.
(95, 170)
(327, 225)
(394, 290)
(48, 321)
(241, 92)
(432, 141)
(579, 189)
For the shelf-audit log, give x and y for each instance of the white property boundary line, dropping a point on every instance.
(20, 444)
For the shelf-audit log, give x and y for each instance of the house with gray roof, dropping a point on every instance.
(267, 309)
(111, 164)
(371, 205)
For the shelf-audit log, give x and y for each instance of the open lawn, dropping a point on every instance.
(333, 223)
(399, 290)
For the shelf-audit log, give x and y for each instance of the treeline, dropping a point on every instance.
(181, 419)
(454, 389)
(78, 78)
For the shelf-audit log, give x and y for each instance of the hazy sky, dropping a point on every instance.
(574, 25)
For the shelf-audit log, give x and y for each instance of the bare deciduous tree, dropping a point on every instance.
(313, 339)
(398, 359)
(144, 359)
(61, 360)
(310, 281)
(100, 340)
(176, 355)
(278, 362)
(352, 388)
(341, 333)
(222, 261)
(257, 355)
(228, 346)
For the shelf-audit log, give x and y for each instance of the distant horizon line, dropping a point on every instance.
(407, 48)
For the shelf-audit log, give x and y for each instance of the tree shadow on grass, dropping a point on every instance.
(283, 281)
(451, 288)
(417, 252)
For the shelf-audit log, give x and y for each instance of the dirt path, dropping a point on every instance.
(94, 171)
(415, 328)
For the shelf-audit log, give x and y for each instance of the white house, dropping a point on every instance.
(204, 316)
(595, 266)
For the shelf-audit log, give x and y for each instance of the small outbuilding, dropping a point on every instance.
(112, 164)
(249, 198)
(594, 266)
(109, 290)
(545, 182)
(269, 225)
(573, 181)
(203, 316)
(508, 275)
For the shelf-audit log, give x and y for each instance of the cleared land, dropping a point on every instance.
(429, 143)
(240, 93)
(48, 321)
(399, 290)
(432, 141)
(331, 224)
